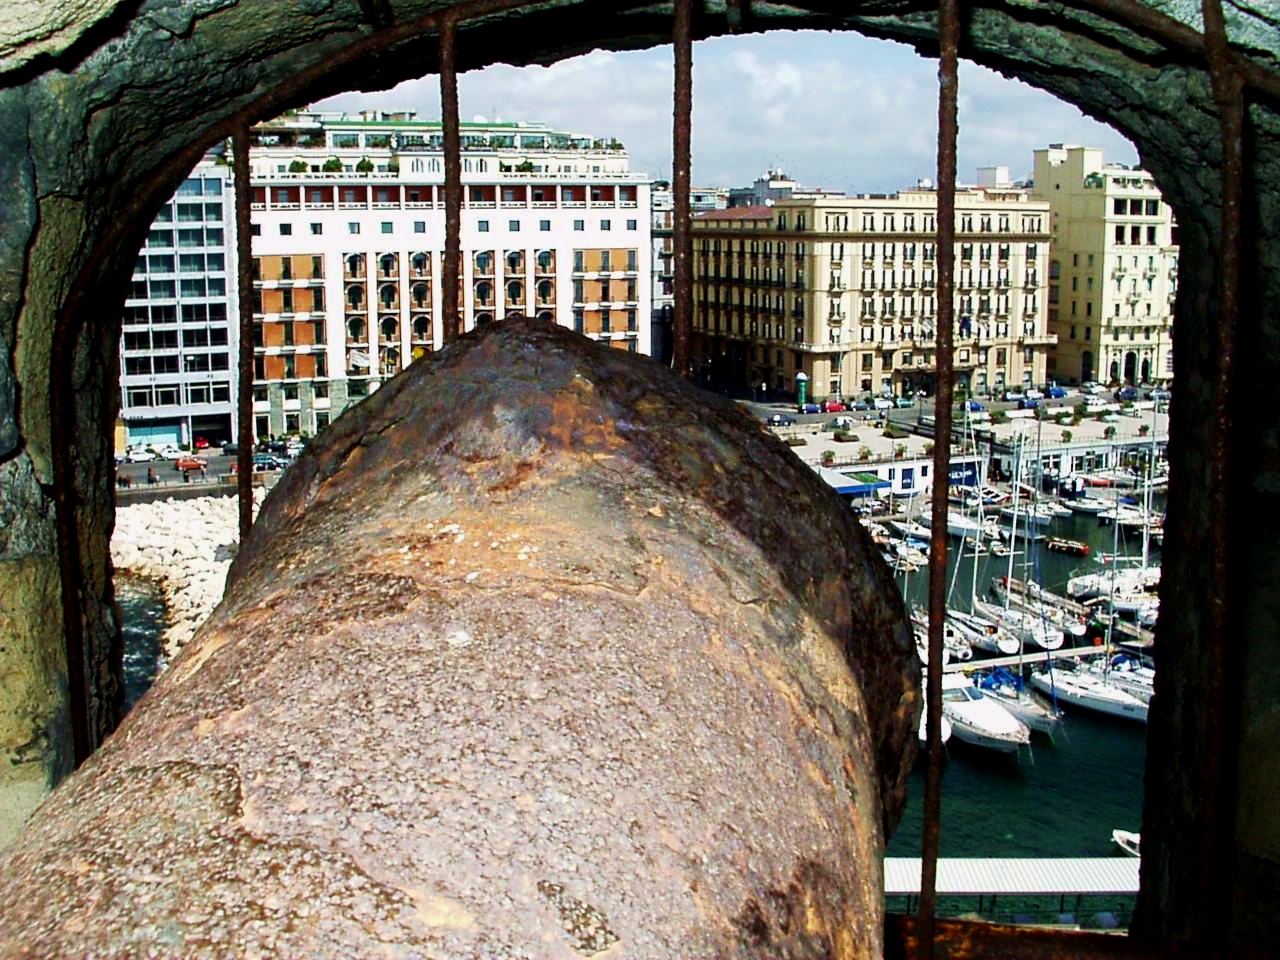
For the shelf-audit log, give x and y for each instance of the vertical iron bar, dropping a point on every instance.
(682, 43)
(1217, 841)
(948, 131)
(449, 305)
(244, 360)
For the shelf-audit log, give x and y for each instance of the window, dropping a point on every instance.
(544, 226)
(579, 225)
(286, 229)
(353, 228)
(255, 230)
(606, 225)
(387, 226)
(631, 224)
(513, 226)
(419, 226)
(482, 226)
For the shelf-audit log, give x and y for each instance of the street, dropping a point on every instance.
(168, 473)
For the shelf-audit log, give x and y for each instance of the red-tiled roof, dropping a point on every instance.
(736, 213)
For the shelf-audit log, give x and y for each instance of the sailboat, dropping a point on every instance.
(1079, 688)
(1012, 693)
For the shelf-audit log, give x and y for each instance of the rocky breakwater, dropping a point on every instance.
(187, 546)
(538, 652)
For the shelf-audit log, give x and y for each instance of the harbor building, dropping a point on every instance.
(348, 220)
(1113, 273)
(836, 297)
(179, 338)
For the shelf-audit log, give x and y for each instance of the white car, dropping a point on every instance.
(138, 455)
(168, 451)
(1091, 387)
(1033, 394)
(884, 403)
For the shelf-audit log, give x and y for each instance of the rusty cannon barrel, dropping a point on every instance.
(537, 652)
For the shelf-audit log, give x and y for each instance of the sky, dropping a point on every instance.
(834, 110)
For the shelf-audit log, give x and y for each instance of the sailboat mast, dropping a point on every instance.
(1013, 530)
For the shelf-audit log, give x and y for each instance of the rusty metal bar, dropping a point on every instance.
(244, 360)
(449, 306)
(948, 131)
(682, 42)
(1217, 840)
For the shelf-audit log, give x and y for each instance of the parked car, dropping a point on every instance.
(904, 402)
(1126, 393)
(1091, 387)
(265, 461)
(200, 443)
(230, 449)
(1028, 403)
(1159, 394)
(841, 423)
(862, 405)
(189, 463)
(1034, 394)
(973, 406)
(139, 455)
(781, 420)
(834, 406)
(168, 451)
(808, 408)
(883, 403)
(1013, 395)
(1056, 392)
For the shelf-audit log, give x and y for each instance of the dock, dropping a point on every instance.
(1025, 659)
(1016, 876)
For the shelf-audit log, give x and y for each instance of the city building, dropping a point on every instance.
(179, 338)
(348, 221)
(775, 185)
(838, 294)
(1113, 272)
(662, 208)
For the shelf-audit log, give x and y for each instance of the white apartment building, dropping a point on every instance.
(662, 208)
(348, 219)
(179, 338)
(843, 291)
(1113, 272)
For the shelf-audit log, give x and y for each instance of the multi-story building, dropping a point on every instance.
(1113, 269)
(179, 339)
(662, 207)
(775, 185)
(348, 220)
(842, 290)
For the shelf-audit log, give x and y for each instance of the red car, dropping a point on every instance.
(189, 463)
(200, 443)
(833, 406)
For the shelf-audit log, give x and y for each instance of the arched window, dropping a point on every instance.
(421, 328)
(355, 265)
(387, 265)
(515, 291)
(484, 263)
(420, 295)
(546, 315)
(546, 261)
(416, 166)
(466, 166)
(515, 262)
(482, 165)
(390, 327)
(355, 328)
(387, 295)
(420, 263)
(483, 318)
(546, 290)
(355, 296)
(433, 166)
(484, 293)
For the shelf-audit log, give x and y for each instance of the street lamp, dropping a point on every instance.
(802, 388)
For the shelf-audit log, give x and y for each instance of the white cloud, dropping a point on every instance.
(836, 110)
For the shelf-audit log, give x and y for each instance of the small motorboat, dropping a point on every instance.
(1128, 841)
(1063, 545)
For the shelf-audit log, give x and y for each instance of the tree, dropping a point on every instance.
(393, 165)
(332, 165)
(298, 166)
(364, 166)
(1109, 433)
(864, 453)
(1144, 429)
(1066, 436)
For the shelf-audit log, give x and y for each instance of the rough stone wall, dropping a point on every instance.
(90, 148)
(541, 653)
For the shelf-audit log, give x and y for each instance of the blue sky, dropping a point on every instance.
(835, 110)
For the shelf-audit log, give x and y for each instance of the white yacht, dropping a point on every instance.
(984, 634)
(1029, 627)
(1011, 693)
(980, 720)
(1079, 688)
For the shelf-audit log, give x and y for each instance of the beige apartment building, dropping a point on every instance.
(843, 291)
(1113, 271)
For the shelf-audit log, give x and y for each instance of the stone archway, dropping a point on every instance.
(103, 112)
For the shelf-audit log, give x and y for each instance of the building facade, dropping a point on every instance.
(1113, 272)
(179, 337)
(842, 290)
(662, 208)
(348, 220)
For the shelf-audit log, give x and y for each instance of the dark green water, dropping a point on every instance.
(142, 614)
(1075, 792)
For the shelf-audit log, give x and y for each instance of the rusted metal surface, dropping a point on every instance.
(682, 303)
(970, 940)
(244, 361)
(450, 269)
(948, 98)
(523, 657)
(1221, 682)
